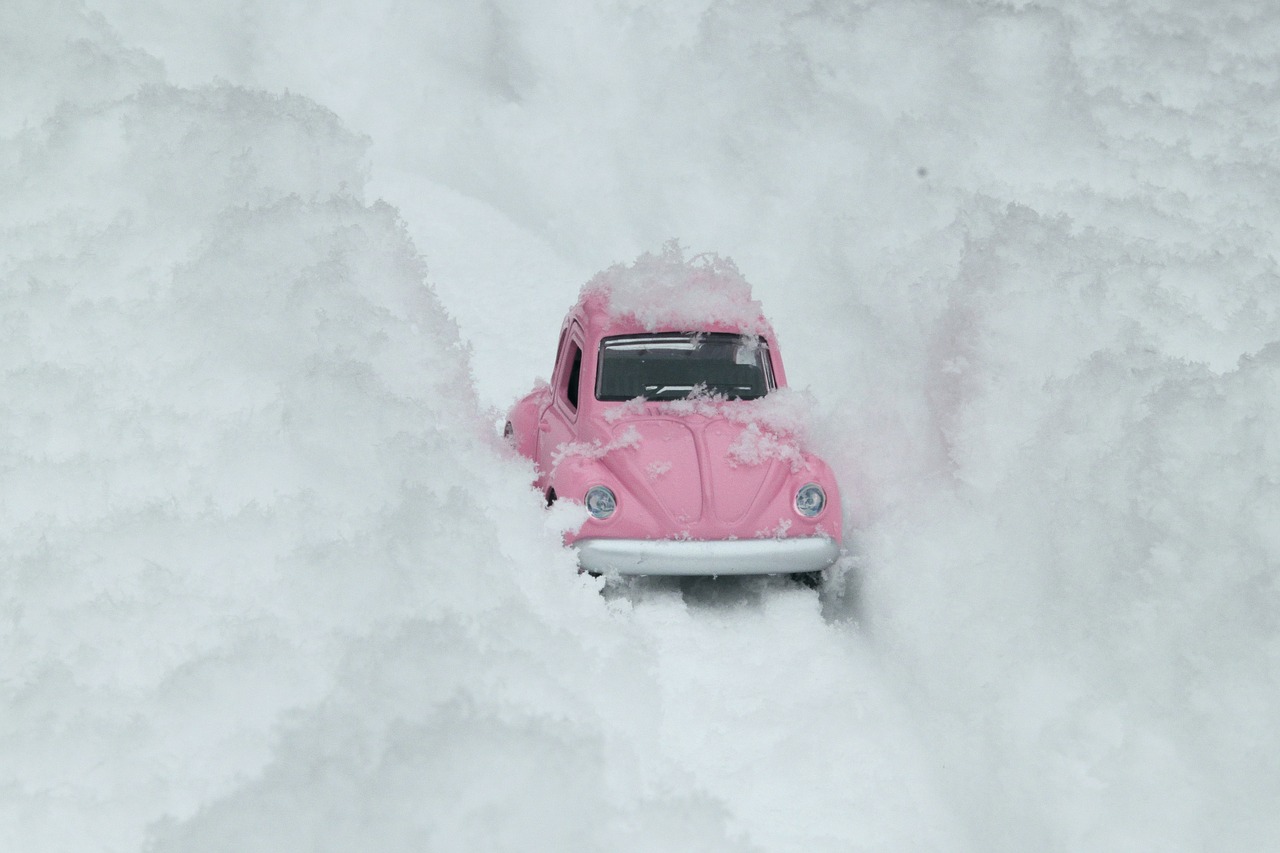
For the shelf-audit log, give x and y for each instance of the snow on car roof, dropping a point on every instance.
(664, 291)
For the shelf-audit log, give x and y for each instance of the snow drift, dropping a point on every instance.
(249, 496)
(259, 561)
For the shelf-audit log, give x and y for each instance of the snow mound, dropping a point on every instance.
(268, 581)
(666, 291)
(1023, 252)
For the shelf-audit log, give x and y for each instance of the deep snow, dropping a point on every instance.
(270, 581)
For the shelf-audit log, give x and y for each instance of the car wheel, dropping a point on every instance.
(810, 580)
(551, 496)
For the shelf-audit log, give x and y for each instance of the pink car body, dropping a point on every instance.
(698, 482)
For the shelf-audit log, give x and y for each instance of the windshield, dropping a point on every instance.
(671, 366)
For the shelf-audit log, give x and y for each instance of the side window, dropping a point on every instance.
(571, 390)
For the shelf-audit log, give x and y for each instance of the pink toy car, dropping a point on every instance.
(664, 418)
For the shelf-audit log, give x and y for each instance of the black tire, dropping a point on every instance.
(551, 496)
(809, 580)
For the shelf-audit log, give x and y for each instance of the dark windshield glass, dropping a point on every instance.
(670, 366)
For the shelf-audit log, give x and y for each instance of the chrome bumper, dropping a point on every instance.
(706, 557)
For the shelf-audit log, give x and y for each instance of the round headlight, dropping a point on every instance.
(810, 500)
(600, 502)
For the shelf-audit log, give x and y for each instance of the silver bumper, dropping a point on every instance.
(706, 557)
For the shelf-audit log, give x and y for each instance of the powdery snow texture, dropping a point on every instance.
(270, 584)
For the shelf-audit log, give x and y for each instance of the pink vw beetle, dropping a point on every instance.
(666, 417)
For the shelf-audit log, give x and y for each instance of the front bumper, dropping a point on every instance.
(706, 557)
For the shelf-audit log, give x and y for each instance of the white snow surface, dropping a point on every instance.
(270, 581)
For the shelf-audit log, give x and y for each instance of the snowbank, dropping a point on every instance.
(262, 558)
(1077, 585)
(1023, 254)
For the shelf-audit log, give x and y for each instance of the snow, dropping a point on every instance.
(629, 437)
(753, 446)
(270, 581)
(666, 291)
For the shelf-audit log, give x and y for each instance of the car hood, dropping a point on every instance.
(706, 475)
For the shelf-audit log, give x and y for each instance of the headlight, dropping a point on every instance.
(600, 502)
(810, 500)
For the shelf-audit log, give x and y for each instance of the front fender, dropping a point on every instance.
(830, 522)
(576, 474)
(522, 421)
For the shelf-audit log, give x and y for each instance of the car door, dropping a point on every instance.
(558, 423)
